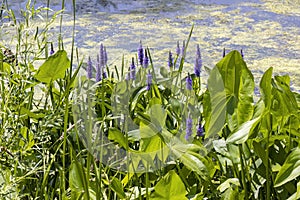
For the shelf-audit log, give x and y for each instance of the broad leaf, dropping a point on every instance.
(54, 67)
(116, 135)
(239, 87)
(214, 104)
(170, 187)
(241, 135)
(290, 169)
(266, 88)
(117, 187)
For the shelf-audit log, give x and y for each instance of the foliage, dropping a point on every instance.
(48, 150)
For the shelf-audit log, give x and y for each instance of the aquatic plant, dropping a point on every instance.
(63, 136)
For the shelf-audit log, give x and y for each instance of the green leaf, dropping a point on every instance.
(284, 102)
(25, 111)
(116, 135)
(170, 187)
(190, 157)
(290, 169)
(266, 88)
(54, 67)
(296, 195)
(239, 87)
(117, 187)
(214, 104)
(241, 135)
(157, 113)
(227, 184)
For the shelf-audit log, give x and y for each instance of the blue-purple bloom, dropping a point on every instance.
(102, 57)
(198, 62)
(170, 60)
(145, 59)
(189, 127)
(197, 68)
(140, 54)
(178, 49)
(149, 80)
(89, 69)
(200, 129)
(132, 70)
(189, 82)
(52, 49)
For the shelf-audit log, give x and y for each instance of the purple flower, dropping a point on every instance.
(189, 82)
(52, 49)
(149, 80)
(189, 127)
(140, 54)
(145, 60)
(200, 129)
(224, 53)
(242, 54)
(89, 68)
(102, 56)
(170, 60)
(132, 70)
(198, 62)
(197, 68)
(178, 49)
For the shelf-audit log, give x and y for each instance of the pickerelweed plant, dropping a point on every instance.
(113, 133)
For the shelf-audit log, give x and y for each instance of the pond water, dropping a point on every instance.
(267, 31)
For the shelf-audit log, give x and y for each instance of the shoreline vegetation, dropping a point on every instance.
(132, 131)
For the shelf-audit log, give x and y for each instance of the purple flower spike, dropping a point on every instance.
(242, 54)
(198, 62)
(178, 49)
(189, 127)
(52, 49)
(200, 129)
(224, 53)
(105, 56)
(149, 80)
(170, 61)
(197, 68)
(89, 69)
(132, 70)
(189, 82)
(145, 60)
(140, 54)
(102, 59)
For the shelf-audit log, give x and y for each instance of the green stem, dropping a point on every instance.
(243, 171)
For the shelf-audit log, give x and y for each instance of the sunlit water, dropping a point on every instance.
(267, 31)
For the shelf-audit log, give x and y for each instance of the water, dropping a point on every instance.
(267, 31)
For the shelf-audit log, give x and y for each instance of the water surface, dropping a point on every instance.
(267, 31)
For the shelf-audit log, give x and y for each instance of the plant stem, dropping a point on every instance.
(243, 172)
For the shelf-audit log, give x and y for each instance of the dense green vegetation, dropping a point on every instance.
(137, 134)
